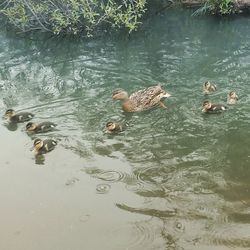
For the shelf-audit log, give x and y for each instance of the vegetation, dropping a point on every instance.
(218, 7)
(73, 16)
(87, 16)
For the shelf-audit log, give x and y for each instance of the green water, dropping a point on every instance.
(175, 179)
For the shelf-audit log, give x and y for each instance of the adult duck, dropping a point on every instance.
(141, 100)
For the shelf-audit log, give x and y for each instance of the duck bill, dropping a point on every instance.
(105, 131)
(32, 149)
(204, 110)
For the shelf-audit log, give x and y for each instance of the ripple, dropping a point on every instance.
(231, 235)
(134, 187)
(103, 188)
(72, 181)
(139, 235)
(84, 218)
(105, 175)
(180, 227)
(153, 175)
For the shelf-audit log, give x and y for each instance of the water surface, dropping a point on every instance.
(175, 179)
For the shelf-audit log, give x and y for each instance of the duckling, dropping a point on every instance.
(208, 107)
(114, 127)
(232, 98)
(141, 100)
(40, 128)
(43, 146)
(12, 116)
(209, 87)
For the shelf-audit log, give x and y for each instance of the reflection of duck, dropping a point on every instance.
(114, 127)
(232, 98)
(141, 100)
(11, 126)
(209, 87)
(208, 107)
(12, 116)
(40, 128)
(43, 146)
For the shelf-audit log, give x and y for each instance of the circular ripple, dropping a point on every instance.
(103, 188)
(134, 187)
(152, 175)
(139, 235)
(231, 235)
(151, 181)
(179, 226)
(105, 175)
(110, 176)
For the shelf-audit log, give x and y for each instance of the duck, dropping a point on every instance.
(12, 116)
(43, 146)
(209, 87)
(141, 100)
(42, 127)
(115, 127)
(232, 97)
(208, 107)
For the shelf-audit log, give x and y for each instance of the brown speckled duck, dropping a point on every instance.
(42, 127)
(12, 116)
(141, 100)
(208, 107)
(209, 87)
(232, 98)
(43, 146)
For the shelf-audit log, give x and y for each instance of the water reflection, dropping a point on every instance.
(11, 126)
(40, 159)
(175, 178)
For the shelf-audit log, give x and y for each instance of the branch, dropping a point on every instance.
(34, 14)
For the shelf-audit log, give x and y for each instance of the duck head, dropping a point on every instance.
(206, 106)
(9, 113)
(30, 126)
(233, 95)
(37, 145)
(208, 86)
(110, 126)
(120, 94)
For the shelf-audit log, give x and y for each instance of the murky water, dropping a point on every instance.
(175, 179)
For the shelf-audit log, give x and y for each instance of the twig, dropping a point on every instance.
(34, 14)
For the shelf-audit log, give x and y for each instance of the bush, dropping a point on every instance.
(218, 7)
(73, 16)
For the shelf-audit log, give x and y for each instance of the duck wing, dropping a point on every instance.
(148, 97)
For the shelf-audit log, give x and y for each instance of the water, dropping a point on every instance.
(175, 179)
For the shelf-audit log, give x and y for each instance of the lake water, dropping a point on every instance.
(175, 179)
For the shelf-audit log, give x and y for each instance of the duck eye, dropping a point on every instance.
(37, 142)
(117, 91)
